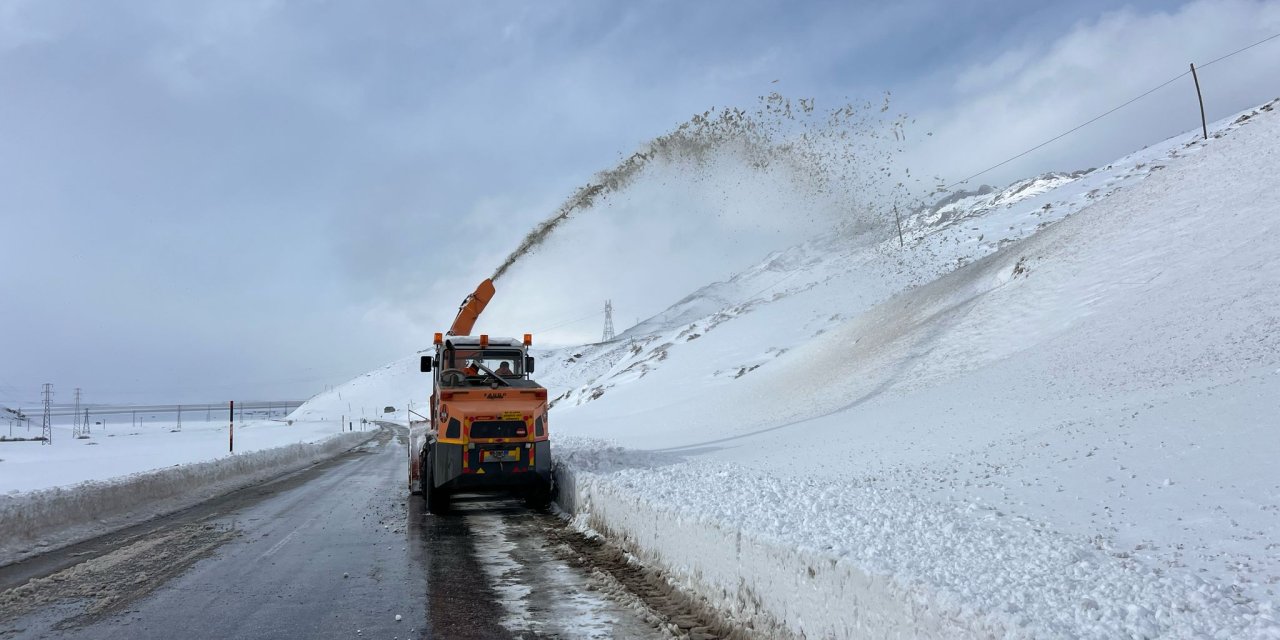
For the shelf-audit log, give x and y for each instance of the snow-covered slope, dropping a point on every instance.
(398, 386)
(1051, 413)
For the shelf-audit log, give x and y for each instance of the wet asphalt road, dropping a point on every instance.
(335, 551)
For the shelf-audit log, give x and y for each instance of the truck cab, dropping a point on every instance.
(487, 424)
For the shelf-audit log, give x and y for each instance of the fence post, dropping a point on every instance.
(1204, 124)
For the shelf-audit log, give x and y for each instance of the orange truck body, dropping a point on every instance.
(486, 428)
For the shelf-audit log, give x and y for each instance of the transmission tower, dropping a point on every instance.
(47, 427)
(179, 427)
(75, 424)
(608, 321)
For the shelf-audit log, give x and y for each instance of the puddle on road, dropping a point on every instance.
(541, 593)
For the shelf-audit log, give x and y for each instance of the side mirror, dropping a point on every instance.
(425, 365)
(528, 364)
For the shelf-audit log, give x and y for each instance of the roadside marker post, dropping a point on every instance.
(231, 433)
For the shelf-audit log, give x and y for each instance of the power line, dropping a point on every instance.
(589, 315)
(1109, 112)
(259, 384)
(1219, 59)
(60, 411)
(1071, 131)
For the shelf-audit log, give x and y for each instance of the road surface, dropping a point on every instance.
(339, 550)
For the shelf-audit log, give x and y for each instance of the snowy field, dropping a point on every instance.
(123, 449)
(1051, 414)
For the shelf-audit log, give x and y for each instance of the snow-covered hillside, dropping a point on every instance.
(1051, 413)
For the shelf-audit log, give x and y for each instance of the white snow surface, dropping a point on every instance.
(121, 449)
(1052, 413)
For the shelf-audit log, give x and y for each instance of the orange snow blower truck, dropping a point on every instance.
(487, 423)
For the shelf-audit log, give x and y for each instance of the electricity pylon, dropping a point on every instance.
(608, 321)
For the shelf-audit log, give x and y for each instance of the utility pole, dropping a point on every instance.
(1204, 124)
(46, 430)
(75, 417)
(608, 321)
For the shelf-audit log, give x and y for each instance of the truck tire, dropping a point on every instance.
(538, 495)
(437, 499)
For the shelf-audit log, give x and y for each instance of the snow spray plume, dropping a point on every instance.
(845, 154)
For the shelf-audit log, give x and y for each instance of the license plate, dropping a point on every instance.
(512, 415)
(500, 455)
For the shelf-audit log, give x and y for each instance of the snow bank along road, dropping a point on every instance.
(339, 550)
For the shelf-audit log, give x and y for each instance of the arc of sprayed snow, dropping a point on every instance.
(761, 139)
(695, 138)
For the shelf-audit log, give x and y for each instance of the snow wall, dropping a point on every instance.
(774, 589)
(39, 521)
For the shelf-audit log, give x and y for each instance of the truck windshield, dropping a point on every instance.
(508, 363)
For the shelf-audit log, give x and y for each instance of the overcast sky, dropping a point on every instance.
(202, 201)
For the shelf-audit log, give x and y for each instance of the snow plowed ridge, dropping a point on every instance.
(821, 558)
(38, 521)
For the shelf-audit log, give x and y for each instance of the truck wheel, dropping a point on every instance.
(538, 496)
(437, 499)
